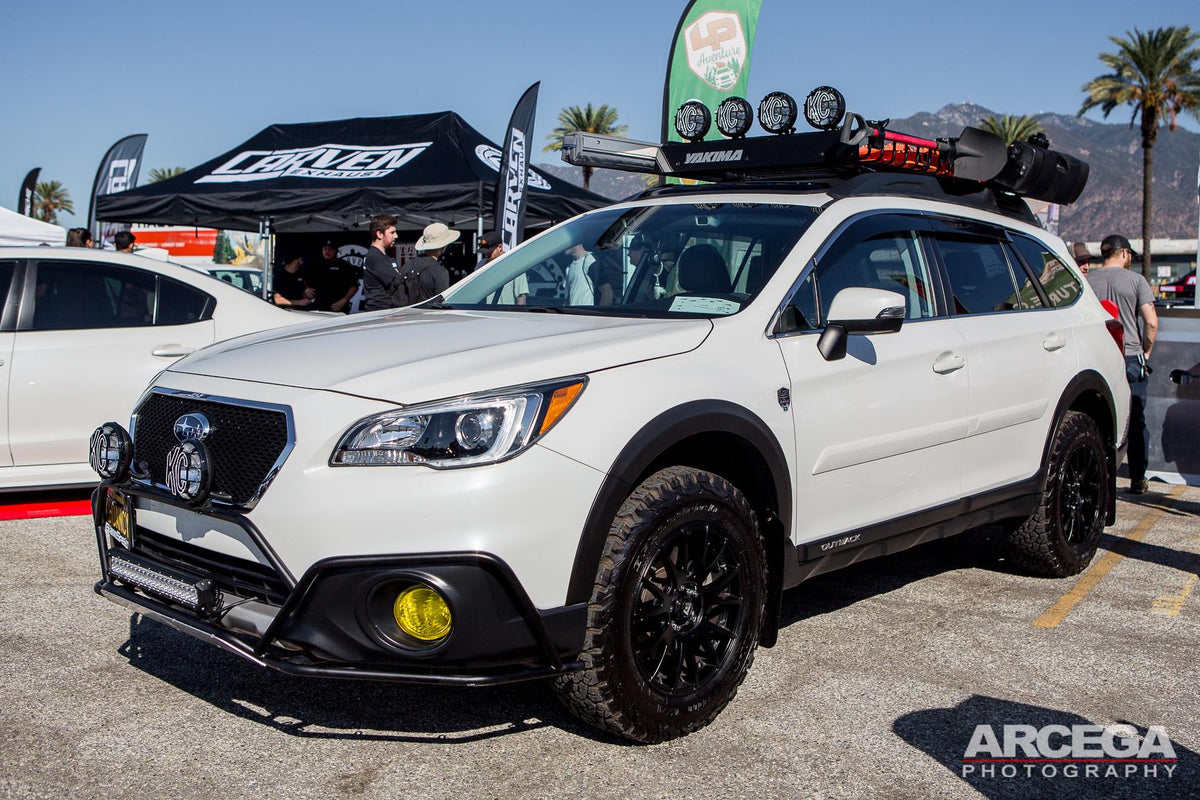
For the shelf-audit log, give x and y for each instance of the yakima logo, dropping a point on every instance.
(716, 156)
(716, 48)
(330, 161)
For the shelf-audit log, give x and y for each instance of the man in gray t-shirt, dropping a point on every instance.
(1114, 281)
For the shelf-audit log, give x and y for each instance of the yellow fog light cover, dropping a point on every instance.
(422, 613)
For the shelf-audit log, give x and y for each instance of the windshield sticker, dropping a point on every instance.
(704, 305)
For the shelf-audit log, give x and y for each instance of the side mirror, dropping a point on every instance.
(859, 310)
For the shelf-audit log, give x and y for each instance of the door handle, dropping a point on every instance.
(1054, 342)
(171, 350)
(949, 362)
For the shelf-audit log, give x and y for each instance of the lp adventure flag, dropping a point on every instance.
(25, 201)
(514, 170)
(710, 57)
(118, 172)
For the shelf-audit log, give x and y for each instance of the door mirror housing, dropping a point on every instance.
(862, 311)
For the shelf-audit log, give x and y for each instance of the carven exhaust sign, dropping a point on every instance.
(332, 161)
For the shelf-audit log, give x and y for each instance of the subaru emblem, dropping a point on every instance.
(192, 426)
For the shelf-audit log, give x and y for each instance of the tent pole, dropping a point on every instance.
(264, 232)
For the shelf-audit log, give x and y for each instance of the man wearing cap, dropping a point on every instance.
(1083, 258)
(425, 277)
(516, 291)
(1114, 281)
(333, 280)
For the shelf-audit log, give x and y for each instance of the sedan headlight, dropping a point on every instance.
(463, 432)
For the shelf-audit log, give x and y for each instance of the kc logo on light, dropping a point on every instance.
(716, 48)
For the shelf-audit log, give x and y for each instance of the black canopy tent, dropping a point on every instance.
(334, 176)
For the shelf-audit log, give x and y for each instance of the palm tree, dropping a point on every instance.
(1011, 129)
(601, 120)
(1155, 73)
(162, 173)
(49, 198)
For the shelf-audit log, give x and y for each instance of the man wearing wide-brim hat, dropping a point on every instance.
(425, 276)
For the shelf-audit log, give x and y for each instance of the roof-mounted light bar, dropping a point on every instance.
(974, 157)
(613, 152)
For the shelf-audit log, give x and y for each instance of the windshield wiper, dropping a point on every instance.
(435, 304)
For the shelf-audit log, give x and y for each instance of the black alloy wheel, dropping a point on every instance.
(1060, 537)
(687, 609)
(675, 612)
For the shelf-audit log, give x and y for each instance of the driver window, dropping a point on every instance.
(875, 254)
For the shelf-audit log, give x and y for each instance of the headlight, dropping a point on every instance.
(464, 432)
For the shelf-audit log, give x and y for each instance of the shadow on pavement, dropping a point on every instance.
(343, 709)
(979, 548)
(944, 734)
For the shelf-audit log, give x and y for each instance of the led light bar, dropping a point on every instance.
(172, 589)
(613, 152)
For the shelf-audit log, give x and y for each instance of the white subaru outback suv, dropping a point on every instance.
(611, 482)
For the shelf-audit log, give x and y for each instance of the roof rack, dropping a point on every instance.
(963, 166)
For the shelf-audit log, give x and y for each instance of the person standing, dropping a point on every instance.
(79, 237)
(425, 276)
(1114, 281)
(333, 281)
(287, 285)
(123, 241)
(1083, 259)
(516, 291)
(580, 277)
(382, 286)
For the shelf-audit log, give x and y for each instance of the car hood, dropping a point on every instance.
(412, 355)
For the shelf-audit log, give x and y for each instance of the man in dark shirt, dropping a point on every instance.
(288, 288)
(333, 280)
(382, 285)
(425, 277)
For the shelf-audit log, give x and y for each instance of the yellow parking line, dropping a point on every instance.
(1172, 604)
(1095, 573)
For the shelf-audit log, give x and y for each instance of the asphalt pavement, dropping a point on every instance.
(882, 677)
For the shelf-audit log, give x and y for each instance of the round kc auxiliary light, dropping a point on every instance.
(189, 472)
(734, 117)
(692, 121)
(110, 452)
(422, 613)
(777, 113)
(824, 108)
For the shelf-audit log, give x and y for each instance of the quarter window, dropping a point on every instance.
(1059, 282)
(179, 304)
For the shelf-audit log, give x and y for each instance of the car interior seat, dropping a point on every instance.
(703, 270)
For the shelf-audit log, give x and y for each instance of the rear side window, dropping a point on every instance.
(1060, 283)
(179, 304)
(74, 295)
(980, 279)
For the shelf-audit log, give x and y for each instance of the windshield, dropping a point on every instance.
(697, 259)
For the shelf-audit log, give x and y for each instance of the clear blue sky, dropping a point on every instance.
(200, 78)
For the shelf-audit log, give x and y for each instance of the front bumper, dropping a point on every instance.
(335, 621)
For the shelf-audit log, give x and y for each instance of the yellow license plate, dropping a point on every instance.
(118, 517)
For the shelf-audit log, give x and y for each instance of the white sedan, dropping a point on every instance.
(82, 332)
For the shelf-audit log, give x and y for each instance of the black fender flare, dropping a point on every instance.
(648, 444)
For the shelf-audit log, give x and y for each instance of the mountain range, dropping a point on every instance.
(1111, 202)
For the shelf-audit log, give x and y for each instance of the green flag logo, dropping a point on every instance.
(716, 49)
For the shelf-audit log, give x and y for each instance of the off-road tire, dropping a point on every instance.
(683, 566)
(1060, 538)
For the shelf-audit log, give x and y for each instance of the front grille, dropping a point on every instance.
(230, 574)
(245, 442)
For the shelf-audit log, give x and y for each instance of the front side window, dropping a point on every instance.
(685, 260)
(1059, 282)
(73, 295)
(875, 253)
